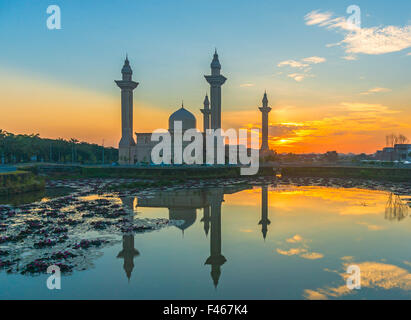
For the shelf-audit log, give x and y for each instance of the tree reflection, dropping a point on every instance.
(395, 209)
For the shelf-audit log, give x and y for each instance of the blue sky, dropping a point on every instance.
(170, 46)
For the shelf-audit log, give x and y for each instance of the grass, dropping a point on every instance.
(19, 182)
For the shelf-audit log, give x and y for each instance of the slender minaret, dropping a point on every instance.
(216, 80)
(127, 85)
(265, 109)
(264, 222)
(206, 114)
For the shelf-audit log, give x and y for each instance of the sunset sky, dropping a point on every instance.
(330, 87)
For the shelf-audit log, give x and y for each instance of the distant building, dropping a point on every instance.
(400, 152)
(403, 152)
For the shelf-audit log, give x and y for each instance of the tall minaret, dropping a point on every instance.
(264, 222)
(206, 114)
(127, 85)
(265, 109)
(216, 80)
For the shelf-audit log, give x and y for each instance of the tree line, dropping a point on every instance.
(392, 139)
(17, 148)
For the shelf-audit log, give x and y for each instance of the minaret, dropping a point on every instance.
(206, 114)
(127, 85)
(216, 80)
(216, 259)
(265, 109)
(264, 211)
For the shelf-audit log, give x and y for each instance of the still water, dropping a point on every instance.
(263, 242)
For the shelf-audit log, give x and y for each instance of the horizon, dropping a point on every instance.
(328, 91)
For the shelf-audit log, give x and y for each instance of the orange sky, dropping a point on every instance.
(55, 110)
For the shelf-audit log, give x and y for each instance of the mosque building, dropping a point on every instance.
(138, 150)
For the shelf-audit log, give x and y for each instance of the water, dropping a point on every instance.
(265, 242)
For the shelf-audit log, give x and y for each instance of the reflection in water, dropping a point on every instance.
(395, 209)
(314, 227)
(216, 259)
(182, 205)
(373, 275)
(206, 219)
(264, 211)
(129, 252)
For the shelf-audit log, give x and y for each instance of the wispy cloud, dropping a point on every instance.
(358, 125)
(302, 251)
(297, 76)
(376, 90)
(350, 58)
(304, 65)
(314, 60)
(292, 64)
(374, 275)
(315, 17)
(247, 85)
(373, 41)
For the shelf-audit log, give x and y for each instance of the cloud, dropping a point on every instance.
(247, 85)
(302, 251)
(372, 41)
(291, 252)
(371, 227)
(292, 64)
(376, 90)
(312, 255)
(304, 65)
(315, 17)
(314, 295)
(295, 239)
(367, 109)
(374, 275)
(350, 58)
(297, 76)
(314, 60)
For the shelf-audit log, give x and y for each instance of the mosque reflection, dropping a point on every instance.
(182, 205)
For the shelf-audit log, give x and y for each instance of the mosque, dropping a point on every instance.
(138, 150)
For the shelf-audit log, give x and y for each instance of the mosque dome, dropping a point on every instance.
(186, 117)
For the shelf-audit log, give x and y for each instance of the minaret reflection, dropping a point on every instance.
(216, 259)
(206, 219)
(264, 211)
(183, 205)
(129, 252)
